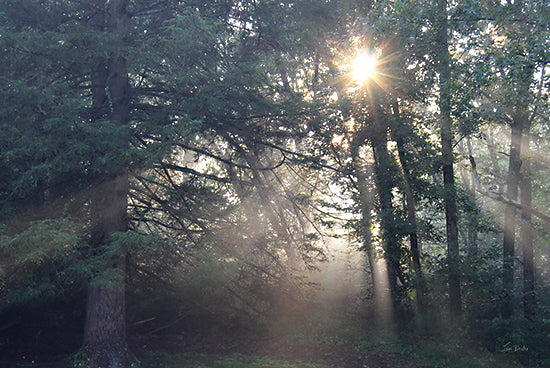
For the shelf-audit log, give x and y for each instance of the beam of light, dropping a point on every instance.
(364, 67)
(383, 307)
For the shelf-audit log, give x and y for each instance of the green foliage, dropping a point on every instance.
(41, 261)
(131, 242)
(42, 241)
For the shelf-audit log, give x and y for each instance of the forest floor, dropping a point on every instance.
(337, 331)
(283, 355)
(338, 349)
(345, 347)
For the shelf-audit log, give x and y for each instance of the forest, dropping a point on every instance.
(274, 183)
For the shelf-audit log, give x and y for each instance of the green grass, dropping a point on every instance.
(435, 351)
(196, 360)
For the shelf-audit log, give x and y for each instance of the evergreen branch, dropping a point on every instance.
(227, 161)
(312, 159)
(187, 170)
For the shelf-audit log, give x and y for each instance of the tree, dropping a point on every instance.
(105, 327)
(449, 192)
(399, 137)
(517, 61)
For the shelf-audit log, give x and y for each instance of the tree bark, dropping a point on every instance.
(104, 341)
(526, 227)
(449, 190)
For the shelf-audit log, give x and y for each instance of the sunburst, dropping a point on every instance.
(364, 67)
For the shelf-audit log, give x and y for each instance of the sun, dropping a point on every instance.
(364, 67)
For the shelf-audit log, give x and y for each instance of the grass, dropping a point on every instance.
(196, 360)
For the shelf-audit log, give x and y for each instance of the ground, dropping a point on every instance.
(305, 347)
(341, 350)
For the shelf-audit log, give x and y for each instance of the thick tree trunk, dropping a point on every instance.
(104, 342)
(449, 190)
(105, 323)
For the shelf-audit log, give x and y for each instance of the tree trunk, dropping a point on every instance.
(384, 175)
(449, 190)
(470, 184)
(105, 328)
(411, 213)
(473, 220)
(510, 223)
(491, 147)
(104, 342)
(526, 228)
(365, 197)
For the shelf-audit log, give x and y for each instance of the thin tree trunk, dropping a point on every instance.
(366, 198)
(510, 221)
(449, 190)
(492, 153)
(411, 213)
(526, 228)
(472, 222)
(470, 184)
(384, 174)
